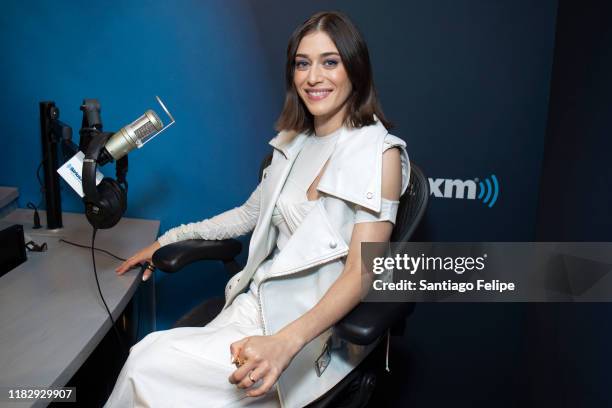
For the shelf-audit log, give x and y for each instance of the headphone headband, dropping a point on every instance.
(90, 165)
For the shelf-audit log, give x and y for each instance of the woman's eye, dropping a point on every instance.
(330, 63)
(301, 64)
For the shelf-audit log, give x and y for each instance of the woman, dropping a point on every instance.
(335, 181)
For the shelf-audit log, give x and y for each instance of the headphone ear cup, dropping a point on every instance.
(121, 196)
(111, 206)
(117, 203)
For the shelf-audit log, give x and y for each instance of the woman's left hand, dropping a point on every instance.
(262, 357)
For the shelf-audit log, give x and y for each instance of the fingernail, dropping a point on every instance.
(144, 278)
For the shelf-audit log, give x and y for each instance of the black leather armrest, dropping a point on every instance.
(173, 257)
(368, 321)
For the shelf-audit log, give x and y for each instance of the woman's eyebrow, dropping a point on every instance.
(324, 54)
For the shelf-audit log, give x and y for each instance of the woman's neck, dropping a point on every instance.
(325, 125)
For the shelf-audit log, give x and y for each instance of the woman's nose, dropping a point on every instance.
(314, 75)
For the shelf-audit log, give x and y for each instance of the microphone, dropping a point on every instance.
(100, 148)
(135, 135)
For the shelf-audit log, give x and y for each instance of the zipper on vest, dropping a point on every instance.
(260, 307)
(326, 259)
(317, 261)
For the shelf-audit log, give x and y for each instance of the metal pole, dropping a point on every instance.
(53, 199)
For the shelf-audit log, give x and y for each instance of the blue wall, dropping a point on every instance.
(202, 57)
(570, 352)
(466, 84)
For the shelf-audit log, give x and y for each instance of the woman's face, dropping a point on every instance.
(320, 77)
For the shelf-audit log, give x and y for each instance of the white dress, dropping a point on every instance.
(190, 366)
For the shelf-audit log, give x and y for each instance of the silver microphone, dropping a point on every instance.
(137, 133)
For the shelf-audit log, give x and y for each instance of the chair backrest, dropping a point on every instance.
(413, 202)
(412, 206)
(265, 163)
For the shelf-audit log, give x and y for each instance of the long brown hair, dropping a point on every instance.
(362, 102)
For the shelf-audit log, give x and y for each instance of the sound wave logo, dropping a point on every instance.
(488, 189)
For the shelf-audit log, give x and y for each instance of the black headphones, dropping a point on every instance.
(105, 203)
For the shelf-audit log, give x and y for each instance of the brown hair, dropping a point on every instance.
(362, 102)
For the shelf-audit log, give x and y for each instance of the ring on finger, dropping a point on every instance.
(239, 362)
(151, 267)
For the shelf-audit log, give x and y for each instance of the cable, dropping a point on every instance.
(38, 175)
(31, 206)
(114, 256)
(40, 183)
(89, 247)
(34, 247)
(93, 258)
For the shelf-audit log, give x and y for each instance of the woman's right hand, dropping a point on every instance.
(140, 257)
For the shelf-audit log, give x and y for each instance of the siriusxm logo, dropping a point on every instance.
(73, 171)
(487, 191)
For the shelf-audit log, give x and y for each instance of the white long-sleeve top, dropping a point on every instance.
(229, 224)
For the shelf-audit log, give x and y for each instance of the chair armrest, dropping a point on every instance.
(173, 257)
(368, 321)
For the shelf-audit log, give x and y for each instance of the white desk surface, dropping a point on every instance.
(51, 314)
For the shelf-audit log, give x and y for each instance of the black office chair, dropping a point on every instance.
(366, 323)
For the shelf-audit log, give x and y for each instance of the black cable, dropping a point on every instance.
(116, 257)
(40, 183)
(34, 247)
(97, 249)
(31, 206)
(38, 174)
(93, 258)
(143, 267)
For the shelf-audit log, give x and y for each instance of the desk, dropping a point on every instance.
(51, 314)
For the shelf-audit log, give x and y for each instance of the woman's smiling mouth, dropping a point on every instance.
(317, 94)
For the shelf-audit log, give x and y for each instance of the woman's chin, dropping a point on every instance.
(319, 111)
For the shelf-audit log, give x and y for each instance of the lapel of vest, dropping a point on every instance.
(354, 172)
(288, 145)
